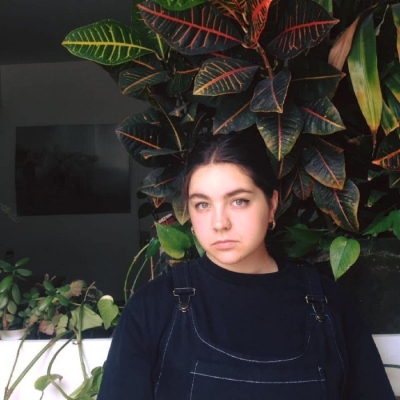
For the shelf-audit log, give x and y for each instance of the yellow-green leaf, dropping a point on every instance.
(44, 381)
(107, 42)
(343, 253)
(396, 19)
(173, 241)
(389, 120)
(362, 62)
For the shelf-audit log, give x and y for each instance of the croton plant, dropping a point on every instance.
(319, 79)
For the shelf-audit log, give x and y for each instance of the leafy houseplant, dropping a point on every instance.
(319, 79)
(56, 312)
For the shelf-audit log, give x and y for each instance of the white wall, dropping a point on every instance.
(92, 247)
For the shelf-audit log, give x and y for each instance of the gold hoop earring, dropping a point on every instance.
(272, 225)
(192, 230)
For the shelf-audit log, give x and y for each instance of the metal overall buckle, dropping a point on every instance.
(318, 304)
(184, 295)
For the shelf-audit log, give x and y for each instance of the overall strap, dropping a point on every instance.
(183, 288)
(315, 295)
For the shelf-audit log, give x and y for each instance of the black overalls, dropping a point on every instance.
(191, 367)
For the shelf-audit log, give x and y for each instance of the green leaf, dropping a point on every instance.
(11, 307)
(270, 94)
(182, 78)
(63, 300)
(325, 163)
(395, 217)
(180, 209)
(22, 262)
(321, 117)
(6, 283)
(16, 295)
(392, 81)
(303, 234)
(106, 42)
(200, 30)
(394, 180)
(44, 381)
(341, 205)
(153, 248)
(327, 4)
(280, 130)
(363, 69)
(302, 24)
(108, 310)
(44, 304)
(48, 285)
(89, 319)
(234, 113)
(218, 76)
(180, 5)
(389, 120)
(173, 241)
(3, 300)
(396, 19)
(300, 249)
(24, 272)
(374, 197)
(4, 265)
(343, 254)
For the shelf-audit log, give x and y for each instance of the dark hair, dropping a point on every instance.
(246, 149)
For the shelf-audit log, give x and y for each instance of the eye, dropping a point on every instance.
(240, 202)
(201, 206)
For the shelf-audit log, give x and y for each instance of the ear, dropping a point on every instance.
(273, 204)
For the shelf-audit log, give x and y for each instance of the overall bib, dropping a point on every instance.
(191, 367)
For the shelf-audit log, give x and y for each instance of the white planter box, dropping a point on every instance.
(96, 350)
(67, 364)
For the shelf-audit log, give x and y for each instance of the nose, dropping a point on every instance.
(220, 220)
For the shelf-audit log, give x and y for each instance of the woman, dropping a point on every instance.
(238, 323)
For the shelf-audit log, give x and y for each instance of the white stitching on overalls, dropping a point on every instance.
(194, 375)
(247, 359)
(261, 382)
(165, 350)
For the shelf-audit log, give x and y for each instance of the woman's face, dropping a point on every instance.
(230, 217)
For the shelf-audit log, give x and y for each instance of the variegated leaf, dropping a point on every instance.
(312, 78)
(160, 182)
(321, 117)
(303, 184)
(396, 19)
(286, 185)
(270, 94)
(280, 130)
(325, 163)
(392, 81)
(180, 5)
(362, 62)
(327, 4)
(143, 131)
(341, 205)
(234, 113)
(388, 156)
(182, 78)
(223, 76)
(233, 9)
(302, 24)
(389, 121)
(106, 42)
(134, 79)
(283, 167)
(257, 15)
(200, 30)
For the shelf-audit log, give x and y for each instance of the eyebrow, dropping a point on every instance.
(226, 196)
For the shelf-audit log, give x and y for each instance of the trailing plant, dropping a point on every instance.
(63, 312)
(319, 79)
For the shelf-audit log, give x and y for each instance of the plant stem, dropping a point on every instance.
(79, 343)
(263, 54)
(391, 366)
(137, 275)
(58, 387)
(16, 359)
(130, 270)
(9, 391)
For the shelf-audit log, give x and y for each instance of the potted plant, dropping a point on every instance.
(59, 315)
(12, 325)
(319, 80)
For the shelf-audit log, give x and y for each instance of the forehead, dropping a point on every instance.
(221, 176)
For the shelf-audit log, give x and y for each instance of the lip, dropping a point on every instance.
(224, 244)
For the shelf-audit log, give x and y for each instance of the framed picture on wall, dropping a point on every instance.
(71, 169)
